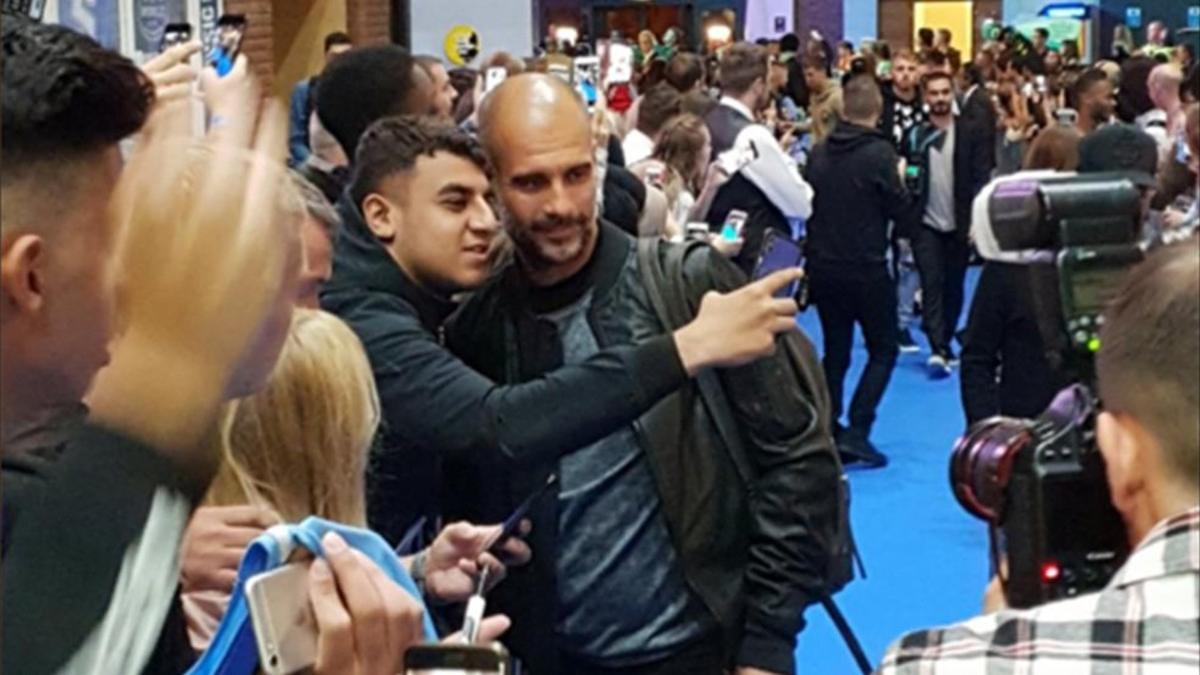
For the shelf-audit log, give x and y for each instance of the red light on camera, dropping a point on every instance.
(1051, 572)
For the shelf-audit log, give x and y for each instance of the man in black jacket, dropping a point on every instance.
(855, 175)
(951, 167)
(769, 197)
(903, 110)
(417, 229)
(651, 557)
(977, 110)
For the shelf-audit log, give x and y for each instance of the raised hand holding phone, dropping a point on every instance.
(171, 72)
(203, 222)
(735, 328)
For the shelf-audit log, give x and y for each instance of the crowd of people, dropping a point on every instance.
(449, 301)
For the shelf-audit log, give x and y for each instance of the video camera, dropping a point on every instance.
(1040, 484)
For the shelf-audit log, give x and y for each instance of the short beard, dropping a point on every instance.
(539, 257)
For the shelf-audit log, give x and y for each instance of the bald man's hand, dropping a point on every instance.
(736, 328)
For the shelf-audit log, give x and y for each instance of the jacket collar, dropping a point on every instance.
(599, 275)
(361, 263)
(737, 106)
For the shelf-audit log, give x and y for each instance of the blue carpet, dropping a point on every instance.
(926, 558)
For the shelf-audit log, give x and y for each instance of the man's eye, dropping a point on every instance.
(527, 183)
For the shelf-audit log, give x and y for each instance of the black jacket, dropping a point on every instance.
(435, 407)
(76, 497)
(971, 170)
(979, 114)
(857, 192)
(752, 558)
(1004, 365)
(624, 198)
(724, 124)
(761, 215)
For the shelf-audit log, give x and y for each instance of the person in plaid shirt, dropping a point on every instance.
(1147, 620)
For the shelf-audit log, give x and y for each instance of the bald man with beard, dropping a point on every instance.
(651, 557)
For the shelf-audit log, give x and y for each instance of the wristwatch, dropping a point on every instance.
(417, 569)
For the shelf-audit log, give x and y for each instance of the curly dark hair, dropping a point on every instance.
(65, 96)
(367, 84)
(393, 144)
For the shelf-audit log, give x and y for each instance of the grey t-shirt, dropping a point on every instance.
(939, 210)
(622, 595)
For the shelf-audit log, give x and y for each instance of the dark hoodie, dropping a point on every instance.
(435, 407)
(857, 192)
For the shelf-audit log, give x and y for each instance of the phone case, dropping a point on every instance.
(284, 625)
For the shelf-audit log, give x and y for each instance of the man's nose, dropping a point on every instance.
(559, 201)
(484, 219)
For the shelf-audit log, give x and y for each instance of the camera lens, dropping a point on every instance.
(981, 464)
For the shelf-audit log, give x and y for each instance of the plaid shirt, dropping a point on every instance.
(1146, 621)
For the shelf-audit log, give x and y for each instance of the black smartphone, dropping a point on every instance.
(513, 523)
(231, 28)
(779, 253)
(175, 34)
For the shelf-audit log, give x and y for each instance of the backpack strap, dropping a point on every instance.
(663, 281)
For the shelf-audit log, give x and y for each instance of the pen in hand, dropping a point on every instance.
(475, 608)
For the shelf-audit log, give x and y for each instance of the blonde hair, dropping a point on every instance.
(300, 445)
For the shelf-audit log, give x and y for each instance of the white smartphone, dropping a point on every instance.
(586, 77)
(587, 69)
(620, 63)
(735, 220)
(284, 625)
(494, 77)
(460, 659)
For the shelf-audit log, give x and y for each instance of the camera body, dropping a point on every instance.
(1063, 535)
(1092, 222)
(1041, 484)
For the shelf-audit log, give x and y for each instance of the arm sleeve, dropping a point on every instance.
(298, 150)
(982, 158)
(73, 539)
(429, 394)
(775, 173)
(981, 350)
(899, 202)
(793, 503)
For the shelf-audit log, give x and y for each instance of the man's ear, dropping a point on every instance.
(1122, 443)
(22, 273)
(381, 216)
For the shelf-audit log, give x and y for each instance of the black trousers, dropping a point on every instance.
(866, 296)
(941, 258)
(703, 657)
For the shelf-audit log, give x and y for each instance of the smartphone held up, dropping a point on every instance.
(231, 29)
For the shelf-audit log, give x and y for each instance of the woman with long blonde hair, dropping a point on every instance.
(299, 446)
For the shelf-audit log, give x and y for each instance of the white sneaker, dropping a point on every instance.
(939, 367)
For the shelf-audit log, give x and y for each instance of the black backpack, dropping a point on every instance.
(662, 271)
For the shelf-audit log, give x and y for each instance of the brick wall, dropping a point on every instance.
(258, 44)
(896, 23)
(370, 21)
